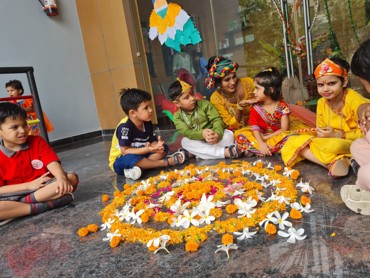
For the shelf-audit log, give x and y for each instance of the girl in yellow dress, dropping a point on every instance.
(336, 122)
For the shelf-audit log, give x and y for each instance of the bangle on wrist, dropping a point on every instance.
(239, 107)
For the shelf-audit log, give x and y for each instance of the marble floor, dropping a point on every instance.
(47, 245)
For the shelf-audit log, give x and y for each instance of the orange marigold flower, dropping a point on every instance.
(295, 214)
(271, 229)
(126, 186)
(230, 209)
(83, 232)
(259, 164)
(92, 228)
(145, 217)
(294, 175)
(191, 246)
(216, 212)
(116, 193)
(227, 238)
(105, 198)
(278, 168)
(152, 248)
(305, 200)
(115, 241)
(134, 201)
(140, 193)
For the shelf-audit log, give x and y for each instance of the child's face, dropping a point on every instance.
(228, 83)
(331, 87)
(187, 101)
(259, 92)
(14, 132)
(12, 92)
(143, 112)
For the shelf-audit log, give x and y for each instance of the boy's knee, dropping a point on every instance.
(73, 179)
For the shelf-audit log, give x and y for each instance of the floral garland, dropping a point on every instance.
(193, 202)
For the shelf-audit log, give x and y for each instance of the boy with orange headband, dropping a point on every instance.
(336, 122)
(357, 196)
(198, 121)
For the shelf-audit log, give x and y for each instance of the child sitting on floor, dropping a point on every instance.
(134, 146)
(14, 89)
(200, 124)
(336, 122)
(357, 196)
(32, 180)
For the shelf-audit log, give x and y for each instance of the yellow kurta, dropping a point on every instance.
(328, 150)
(227, 110)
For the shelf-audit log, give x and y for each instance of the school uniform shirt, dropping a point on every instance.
(128, 135)
(27, 164)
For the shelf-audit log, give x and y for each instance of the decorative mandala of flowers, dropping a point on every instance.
(186, 206)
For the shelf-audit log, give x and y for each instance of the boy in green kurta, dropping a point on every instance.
(198, 121)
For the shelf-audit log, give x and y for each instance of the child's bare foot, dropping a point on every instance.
(175, 159)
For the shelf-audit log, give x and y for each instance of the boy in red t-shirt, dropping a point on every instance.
(32, 179)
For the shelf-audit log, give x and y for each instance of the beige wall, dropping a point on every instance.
(111, 50)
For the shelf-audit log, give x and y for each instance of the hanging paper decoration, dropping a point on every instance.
(172, 25)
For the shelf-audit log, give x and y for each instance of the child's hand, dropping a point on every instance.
(63, 186)
(364, 113)
(246, 102)
(325, 132)
(210, 136)
(39, 182)
(264, 149)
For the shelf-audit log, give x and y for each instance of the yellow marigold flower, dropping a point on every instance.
(227, 239)
(83, 232)
(271, 229)
(134, 201)
(278, 168)
(259, 164)
(295, 214)
(294, 175)
(92, 228)
(230, 209)
(105, 198)
(115, 241)
(305, 200)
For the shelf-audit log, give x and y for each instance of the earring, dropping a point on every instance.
(218, 87)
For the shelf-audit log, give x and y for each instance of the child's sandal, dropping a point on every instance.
(188, 155)
(233, 151)
(176, 160)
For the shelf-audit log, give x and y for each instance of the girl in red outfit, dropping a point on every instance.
(269, 117)
(14, 88)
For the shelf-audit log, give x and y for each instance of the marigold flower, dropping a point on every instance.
(270, 229)
(115, 241)
(140, 193)
(216, 212)
(105, 198)
(230, 209)
(116, 193)
(145, 217)
(294, 175)
(92, 228)
(152, 248)
(83, 232)
(227, 239)
(191, 246)
(305, 200)
(278, 168)
(126, 186)
(295, 214)
(259, 164)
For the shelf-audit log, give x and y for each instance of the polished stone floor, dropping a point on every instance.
(47, 245)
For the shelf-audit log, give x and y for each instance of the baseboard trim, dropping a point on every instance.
(76, 139)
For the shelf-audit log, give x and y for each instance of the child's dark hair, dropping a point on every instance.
(132, 98)
(16, 84)
(360, 64)
(11, 110)
(271, 80)
(175, 90)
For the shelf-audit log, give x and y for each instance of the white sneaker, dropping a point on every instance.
(134, 173)
(356, 198)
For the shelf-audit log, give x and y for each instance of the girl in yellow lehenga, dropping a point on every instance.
(233, 100)
(336, 122)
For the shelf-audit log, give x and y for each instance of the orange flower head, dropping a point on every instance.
(92, 228)
(126, 186)
(259, 164)
(295, 174)
(227, 239)
(270, 229)
(115, 241)
(191, 246)
(83, 232)
(230, 209)
(295, 214)
(278, 168)
(105, 198)
(305, 200)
